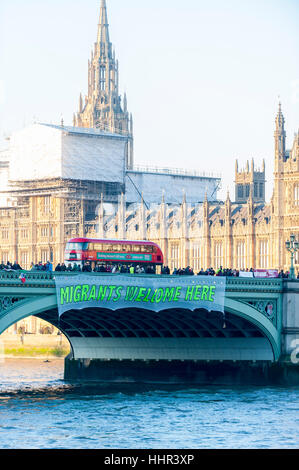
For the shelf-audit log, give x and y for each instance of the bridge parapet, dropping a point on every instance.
(234, 284)
(9, 279)
(255, 285)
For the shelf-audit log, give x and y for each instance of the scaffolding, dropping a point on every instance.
(62, 188)
(79, 202)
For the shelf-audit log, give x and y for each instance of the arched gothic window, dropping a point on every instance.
(241, 254)
(102, 78)
(218, 255)
(264, 254)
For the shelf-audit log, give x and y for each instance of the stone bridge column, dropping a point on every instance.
(290, 322)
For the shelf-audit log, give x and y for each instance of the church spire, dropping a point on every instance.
(102, 108)
(103, 27)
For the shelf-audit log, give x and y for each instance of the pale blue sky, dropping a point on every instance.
(202, 77)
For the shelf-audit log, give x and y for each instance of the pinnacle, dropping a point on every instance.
(103, 28)
(279, 118)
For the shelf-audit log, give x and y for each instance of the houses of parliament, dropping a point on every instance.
(41, 211)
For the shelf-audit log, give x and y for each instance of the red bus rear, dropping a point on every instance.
(94, 252)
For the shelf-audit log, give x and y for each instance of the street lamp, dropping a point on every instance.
(292, 246)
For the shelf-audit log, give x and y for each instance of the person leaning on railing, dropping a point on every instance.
(10, 267)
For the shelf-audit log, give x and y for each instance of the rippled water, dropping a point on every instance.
(39, 410)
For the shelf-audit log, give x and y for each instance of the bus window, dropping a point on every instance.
(76, 246)
(146, 249)
(98, 247)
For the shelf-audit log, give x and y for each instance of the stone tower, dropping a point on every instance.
(286, 190)
(103, 107)
(250, 180)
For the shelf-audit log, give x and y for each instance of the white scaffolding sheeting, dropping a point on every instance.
(45, 151)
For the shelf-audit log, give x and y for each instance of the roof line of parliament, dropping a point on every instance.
(103, 108)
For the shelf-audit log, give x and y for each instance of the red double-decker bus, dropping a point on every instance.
(94, 252)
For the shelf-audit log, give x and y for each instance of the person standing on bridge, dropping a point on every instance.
(16, 266)
(49, 266)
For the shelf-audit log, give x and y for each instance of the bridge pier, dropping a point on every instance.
(290, 323)
(165, 372)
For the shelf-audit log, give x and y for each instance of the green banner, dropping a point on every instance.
(157, 293)
(124, 257)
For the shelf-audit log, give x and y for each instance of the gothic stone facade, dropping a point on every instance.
(242, 234)
(231, 234)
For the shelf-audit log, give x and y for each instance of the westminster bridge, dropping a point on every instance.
(259, 324)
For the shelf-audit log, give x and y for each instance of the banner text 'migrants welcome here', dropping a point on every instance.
(88, 293)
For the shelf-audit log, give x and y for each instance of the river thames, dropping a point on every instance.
(39, 410)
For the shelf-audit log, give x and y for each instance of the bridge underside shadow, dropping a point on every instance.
(171, 335)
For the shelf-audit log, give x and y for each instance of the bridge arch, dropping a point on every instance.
(27, 307)
(251, 314)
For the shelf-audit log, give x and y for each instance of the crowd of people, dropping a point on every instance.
(106, 268)
(286, 275)
(207, 272)
(33, 267)
(130, 269)
(227, 272)
(10, 266)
